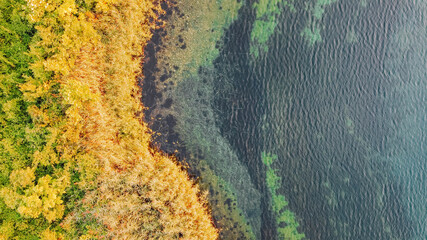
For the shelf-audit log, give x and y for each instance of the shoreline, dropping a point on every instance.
(165, 138)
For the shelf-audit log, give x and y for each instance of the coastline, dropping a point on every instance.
(158, 87)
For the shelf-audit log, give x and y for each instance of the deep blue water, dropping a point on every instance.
(346, 118)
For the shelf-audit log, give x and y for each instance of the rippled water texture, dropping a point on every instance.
(335, 90)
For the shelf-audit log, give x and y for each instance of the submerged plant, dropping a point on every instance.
(312, 31)
(267, 12)
(284, 217)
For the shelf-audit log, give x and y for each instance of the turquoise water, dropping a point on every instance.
(344, 111)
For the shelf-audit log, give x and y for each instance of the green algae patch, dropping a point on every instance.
(312, 31)
(312, 35)
(267, 12)
(319, 8)
(285, 219)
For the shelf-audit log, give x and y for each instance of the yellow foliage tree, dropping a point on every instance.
(22, 177)
(48, 234)
(6, 230)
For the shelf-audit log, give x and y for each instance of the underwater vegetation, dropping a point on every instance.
(267, 12)
(312, 31)
(312, 34)
(285, 219)
(198, 131)
(229, 217)
(194, 31)
(185, 75)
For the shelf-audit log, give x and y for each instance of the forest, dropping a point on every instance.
(75, 154)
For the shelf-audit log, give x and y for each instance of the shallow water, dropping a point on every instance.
(344, 111)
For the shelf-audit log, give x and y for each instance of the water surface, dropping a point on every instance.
(338, 92)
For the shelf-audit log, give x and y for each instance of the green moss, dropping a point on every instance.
(283, 215)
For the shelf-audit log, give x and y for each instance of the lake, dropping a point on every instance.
(334, 92)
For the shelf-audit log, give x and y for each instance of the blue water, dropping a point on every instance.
(347, 118)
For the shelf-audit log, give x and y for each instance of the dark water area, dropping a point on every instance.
(346, 116)
(240, 108)
(330, 119)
